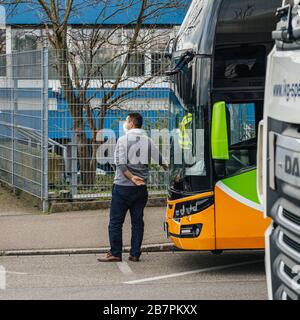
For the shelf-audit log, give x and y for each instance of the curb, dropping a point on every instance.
(165, 247)
(60, 207)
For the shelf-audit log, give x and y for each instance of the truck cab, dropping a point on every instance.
(279, 157)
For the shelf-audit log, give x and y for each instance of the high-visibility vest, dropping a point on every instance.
(184, 139)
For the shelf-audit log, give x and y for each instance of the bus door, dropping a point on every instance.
(239, 217)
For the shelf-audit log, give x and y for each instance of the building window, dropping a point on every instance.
(24, 40)
(53, 70)
(27, 60)
(159, 64)
(136, 65)
(105, 65)
(2, 53)
(27, 65)
(97, 60)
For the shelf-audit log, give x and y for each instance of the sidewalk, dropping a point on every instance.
(12, 205)
(85, 229)
(24, 227)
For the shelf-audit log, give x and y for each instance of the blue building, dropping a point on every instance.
(25, 32)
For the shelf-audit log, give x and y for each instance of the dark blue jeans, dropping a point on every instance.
(133, 199)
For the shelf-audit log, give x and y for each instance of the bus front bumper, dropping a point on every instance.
(192, 232)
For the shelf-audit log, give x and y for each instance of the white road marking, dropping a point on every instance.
(124, 268)
(229, 280)
(173, 275)
(13, 272)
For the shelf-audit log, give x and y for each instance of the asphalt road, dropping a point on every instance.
(174, 275)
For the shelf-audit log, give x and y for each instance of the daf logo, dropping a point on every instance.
(292, 166)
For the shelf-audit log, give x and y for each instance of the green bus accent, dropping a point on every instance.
(244, 184)
(219, 133)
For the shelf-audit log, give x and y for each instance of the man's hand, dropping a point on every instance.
(135, 179)
(138, 181)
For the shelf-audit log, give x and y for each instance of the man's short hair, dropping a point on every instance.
(137, 119)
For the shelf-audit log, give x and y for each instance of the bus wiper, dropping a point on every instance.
(185, 58)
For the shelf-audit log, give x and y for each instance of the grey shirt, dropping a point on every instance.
(134, 152)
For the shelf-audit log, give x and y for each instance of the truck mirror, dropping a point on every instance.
(219, 132)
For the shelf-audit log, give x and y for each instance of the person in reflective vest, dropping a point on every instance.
(184, 137)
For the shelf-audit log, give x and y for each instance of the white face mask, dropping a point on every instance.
(125, 127)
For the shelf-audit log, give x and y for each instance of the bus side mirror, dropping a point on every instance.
(169, 48)
(219, 132)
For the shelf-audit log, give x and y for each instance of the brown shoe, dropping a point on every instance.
(134, 259)
(109, 258)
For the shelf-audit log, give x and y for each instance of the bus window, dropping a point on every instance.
(242, 122)
(234, 65)
(242, 138)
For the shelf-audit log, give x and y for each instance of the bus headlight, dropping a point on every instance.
(192, 207)
(190, 231)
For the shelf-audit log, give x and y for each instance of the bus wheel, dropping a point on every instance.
(217, 252)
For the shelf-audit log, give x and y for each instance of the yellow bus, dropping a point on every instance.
(218, 64)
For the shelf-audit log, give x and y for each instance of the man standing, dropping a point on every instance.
(132, 155)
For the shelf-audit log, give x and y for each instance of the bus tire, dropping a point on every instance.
(217, 252)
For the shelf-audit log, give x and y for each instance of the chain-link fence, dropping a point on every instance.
(23, 121)
(61, 111)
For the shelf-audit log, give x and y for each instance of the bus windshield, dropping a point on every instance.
(189, 166)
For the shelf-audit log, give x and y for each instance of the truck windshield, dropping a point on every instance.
(189, 167)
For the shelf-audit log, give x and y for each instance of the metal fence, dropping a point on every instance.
(23, 121)
(53, 107)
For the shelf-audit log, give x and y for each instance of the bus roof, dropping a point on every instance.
(198, 28)
(205, 18)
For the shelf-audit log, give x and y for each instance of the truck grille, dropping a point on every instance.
(291, 243)
(291, 217)
(289, 272)
(283, 205)
(285, 296)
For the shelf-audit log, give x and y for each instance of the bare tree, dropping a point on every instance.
(80, 62)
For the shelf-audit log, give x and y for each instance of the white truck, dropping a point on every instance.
(279, 157)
